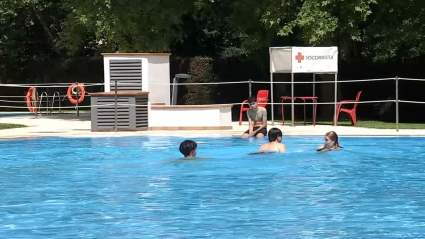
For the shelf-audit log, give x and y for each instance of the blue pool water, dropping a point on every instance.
(10, 114)
(135, 187)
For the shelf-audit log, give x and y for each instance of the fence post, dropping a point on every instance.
(336, 98)
(59, 101)
(78, 91)
(116, 107)
(314, 90)
(250, 88)
(396, 104)
(34, 103)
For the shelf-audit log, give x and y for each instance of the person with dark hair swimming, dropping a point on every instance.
(331, 142)
(257, 118)
(275, 142)
(188, 148)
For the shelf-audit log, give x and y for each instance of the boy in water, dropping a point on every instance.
(274, 144)
(257, 117)
(188, 148)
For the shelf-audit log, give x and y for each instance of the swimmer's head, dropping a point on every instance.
(188, 148)
(331, 139)
(275, 134)
(252, 101)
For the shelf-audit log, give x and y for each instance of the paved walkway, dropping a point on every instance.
(72, 126)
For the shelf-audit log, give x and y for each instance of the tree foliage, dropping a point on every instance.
(123, 25)
(378, 30)
(396, 30)
(201, 69)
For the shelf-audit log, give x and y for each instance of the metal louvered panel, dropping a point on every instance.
(127, 74)
(142, 112)
(105, 113)
(132, 112)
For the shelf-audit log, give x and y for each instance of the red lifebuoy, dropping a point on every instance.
(32, 104)
(80, 89)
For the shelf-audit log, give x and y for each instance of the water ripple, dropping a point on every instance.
(137, 187)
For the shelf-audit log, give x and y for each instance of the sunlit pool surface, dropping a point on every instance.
(136, 187)
(14, 114)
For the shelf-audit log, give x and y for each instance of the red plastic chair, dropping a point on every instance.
(350, 112)
(262, 99)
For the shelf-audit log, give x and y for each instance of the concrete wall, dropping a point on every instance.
(159, 79)
(190, 117)
(155, 75)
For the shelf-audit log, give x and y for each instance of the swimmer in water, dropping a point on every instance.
(188, 148)
(274, 144)
(331, 142)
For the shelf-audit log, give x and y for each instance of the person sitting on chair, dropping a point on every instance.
(257, 118)
(275, 142)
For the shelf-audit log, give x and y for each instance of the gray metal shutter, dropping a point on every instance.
(132, 112)
(106, 113)
(127, 73)
(142, 112)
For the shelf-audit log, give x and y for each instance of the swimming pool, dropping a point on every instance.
(14, 114)
(134, 187)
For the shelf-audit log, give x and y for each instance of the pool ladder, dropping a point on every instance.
(44, 98)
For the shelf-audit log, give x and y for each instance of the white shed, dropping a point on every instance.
(148, 72)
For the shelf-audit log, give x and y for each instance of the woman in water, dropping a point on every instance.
(331, 142)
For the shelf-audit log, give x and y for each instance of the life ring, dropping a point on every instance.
(72, 91)
(32, 99)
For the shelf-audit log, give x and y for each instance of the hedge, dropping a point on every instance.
(201, 69)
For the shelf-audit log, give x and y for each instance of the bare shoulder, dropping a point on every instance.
(283, 148)
(262, 109)
(263, 146)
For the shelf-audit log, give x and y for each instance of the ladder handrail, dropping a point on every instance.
(53, 102)
(44, 94)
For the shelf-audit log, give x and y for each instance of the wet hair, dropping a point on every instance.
(252, 99)
(187, 146)
(334, 137)
(274, 133)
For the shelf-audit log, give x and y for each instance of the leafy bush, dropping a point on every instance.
(201, 69)
(386, 110)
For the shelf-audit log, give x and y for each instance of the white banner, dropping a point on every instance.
(281, 60)
(314, 59)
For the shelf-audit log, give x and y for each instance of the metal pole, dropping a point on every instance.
(396, 104)
(250, 88)
(59, 101)
(34, 103)
(47, 103)
(116, 107)
(292, 98)
(37, 109)
(174, 91)
(314, 88)
(336, 97)
(271, 96)
(78, 91)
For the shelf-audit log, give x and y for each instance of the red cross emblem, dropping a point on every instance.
(299, 57)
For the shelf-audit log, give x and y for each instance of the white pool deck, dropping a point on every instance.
(72, 126)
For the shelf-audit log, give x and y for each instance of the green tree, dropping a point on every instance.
(28, 33)
(124, 25)
(201, 69)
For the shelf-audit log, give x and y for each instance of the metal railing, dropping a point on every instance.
(250, 82)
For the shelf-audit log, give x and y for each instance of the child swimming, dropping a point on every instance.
(188, 148)
(331, 142)
(275, 142)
